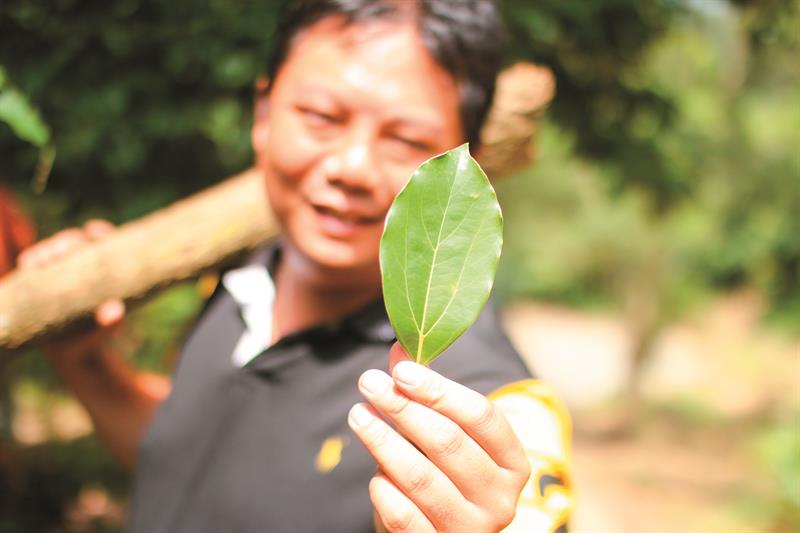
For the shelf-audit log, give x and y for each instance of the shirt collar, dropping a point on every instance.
(252, 288)
(371, 322)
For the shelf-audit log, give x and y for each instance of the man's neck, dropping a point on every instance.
(307, 296)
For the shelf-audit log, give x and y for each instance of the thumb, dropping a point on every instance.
(396, 354)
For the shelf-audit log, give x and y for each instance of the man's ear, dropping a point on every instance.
(260, 133)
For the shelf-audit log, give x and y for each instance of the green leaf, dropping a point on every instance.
(24, 120)
(439, 252)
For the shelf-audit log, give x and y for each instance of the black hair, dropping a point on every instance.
(466, 37)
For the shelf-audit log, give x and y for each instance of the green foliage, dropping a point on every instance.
(737, 138)
(21, 117)
(439, 252)
(147, 95)
(147, 101)
(570, 239)
(159, 326)
(592, 47)
(777, 448)
(732, 140)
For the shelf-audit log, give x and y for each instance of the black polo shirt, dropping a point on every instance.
(266, 447)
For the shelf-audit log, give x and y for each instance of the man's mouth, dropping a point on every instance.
(348, 216)
(344, 223)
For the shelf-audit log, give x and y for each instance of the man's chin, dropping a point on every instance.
(340, 256)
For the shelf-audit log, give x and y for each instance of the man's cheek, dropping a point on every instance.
(399, 176)
(293, 153)
(370, 243)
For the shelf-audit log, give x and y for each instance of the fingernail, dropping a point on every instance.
(360, 416)
(375, 382)
(111, 311)
(408, 373)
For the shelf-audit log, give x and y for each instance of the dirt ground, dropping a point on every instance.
(687, 463)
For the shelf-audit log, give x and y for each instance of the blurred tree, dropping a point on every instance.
(731, 142)
(592, 47)
(732, 139)
(150, 100)
(147, 100)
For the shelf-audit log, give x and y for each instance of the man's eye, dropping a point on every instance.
(414, 144)
(317, 116)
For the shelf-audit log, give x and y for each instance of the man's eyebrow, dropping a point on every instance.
(417, 124)
(317, 90)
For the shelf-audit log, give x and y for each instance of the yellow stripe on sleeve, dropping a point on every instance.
(542, 423)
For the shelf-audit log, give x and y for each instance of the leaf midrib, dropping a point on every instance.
(421, 330)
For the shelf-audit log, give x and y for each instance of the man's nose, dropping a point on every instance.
(352, 163)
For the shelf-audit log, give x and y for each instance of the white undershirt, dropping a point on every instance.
(253, 289)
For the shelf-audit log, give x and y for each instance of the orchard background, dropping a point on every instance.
(652, 261)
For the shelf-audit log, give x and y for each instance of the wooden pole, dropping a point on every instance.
(195, 234)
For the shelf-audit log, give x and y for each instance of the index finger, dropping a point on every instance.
(98, 228)
(476, 415)
(51, 248)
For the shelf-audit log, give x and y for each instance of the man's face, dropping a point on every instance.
(352, 112)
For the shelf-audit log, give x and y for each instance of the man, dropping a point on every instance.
(250, 435)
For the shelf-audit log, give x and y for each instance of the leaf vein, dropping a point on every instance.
(460, 276)
(460, 222)
(425, 229)
(405, 277)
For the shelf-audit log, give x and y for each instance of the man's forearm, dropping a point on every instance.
(120, 400)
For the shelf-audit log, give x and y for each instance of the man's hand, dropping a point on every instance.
(452, 464)
(107, 316)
